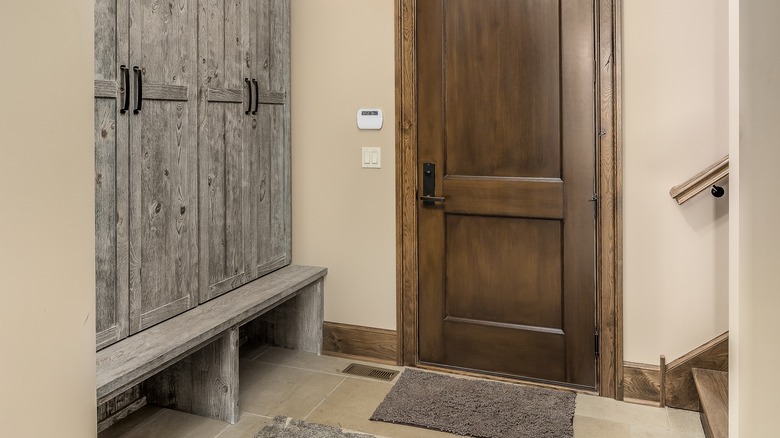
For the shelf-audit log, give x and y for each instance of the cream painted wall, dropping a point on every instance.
(758, 351)
(675, 66)
(676, 114)
(47, 325)
(734, 218)
(344, 216)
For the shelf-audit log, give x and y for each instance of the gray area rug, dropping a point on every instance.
(284, 427)
(477, 408)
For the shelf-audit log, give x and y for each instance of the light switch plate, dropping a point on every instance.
(371, 158)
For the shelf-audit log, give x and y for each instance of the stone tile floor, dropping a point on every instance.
(301, 385)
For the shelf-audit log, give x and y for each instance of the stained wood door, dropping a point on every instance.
(225, 137)
(270, 155)
(506, 114)
(111, 176)
(163, 162)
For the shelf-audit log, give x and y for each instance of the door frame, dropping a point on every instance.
(609, 174)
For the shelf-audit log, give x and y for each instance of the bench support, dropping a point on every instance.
(204, 383)
(295, 324)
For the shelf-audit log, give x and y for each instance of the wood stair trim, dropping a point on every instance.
(642, 382)
(680, 388)
(701, 181)
(713, 389)
(700, 352)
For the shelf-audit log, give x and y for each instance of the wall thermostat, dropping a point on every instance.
(369, 118)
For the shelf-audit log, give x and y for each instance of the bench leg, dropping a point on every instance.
(295, 324)
(204, 383)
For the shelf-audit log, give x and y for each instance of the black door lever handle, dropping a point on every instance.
(430, 200)
(429, 185)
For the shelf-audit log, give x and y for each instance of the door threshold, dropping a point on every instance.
(506, 378)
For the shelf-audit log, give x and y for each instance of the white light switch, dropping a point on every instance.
(372, 158)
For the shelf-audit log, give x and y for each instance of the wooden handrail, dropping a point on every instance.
(702, 180)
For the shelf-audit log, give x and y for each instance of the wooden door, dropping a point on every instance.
(225, 138)
(111, 177)
(507, 261)
(163, 161)
(270, 155)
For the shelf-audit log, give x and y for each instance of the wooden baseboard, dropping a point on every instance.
(346, 340)
(642, 383)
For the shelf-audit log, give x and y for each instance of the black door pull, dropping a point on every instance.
(429, 185)
(138, 89)
(126, 86)
(249, 91)
(257, 96)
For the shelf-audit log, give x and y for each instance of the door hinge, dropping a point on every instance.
(595, 200)
(596, 337)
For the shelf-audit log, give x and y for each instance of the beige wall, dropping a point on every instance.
(757, 350)
(734, 218)
(47, 325)
(676, 82)
(344, 216)
(676, 123)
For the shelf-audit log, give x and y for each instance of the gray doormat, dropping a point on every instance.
(284, 427)
(477, 408)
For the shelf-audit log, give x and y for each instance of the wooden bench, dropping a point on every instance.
(190, 362)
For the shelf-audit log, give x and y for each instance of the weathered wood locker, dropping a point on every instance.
(163, 161)
(146, 163)
(112, 136)
(244, 142)
(192, 154)
(270, 170)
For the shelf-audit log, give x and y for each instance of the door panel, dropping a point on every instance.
(163, 160)
(111, 189)
(514, 102)
(484, 276)
(507, 261)
(270, 187)
(224, 136)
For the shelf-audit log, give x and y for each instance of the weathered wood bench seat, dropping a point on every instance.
(192, 359)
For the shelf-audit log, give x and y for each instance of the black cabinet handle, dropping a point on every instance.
(257, 96)
(126, 85)
(138, 89)
(249, 90)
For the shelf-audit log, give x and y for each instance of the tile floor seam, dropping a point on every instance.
(254, 358)
(223, 430)
(326, 397)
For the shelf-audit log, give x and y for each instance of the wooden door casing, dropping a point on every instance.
(225, 138)
(111, 177)
(507, 262)
(163, 163)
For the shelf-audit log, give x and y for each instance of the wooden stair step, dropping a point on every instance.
(713, 388)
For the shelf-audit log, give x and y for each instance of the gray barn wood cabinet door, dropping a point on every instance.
(163, 161)
(224, 137)
(244, 142)
(270, 157)
(111, 172)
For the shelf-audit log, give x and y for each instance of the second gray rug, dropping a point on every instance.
(284, 427)
(477, 408)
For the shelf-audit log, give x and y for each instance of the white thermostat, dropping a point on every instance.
(369, 118)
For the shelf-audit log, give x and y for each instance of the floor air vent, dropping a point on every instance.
(357, 369)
